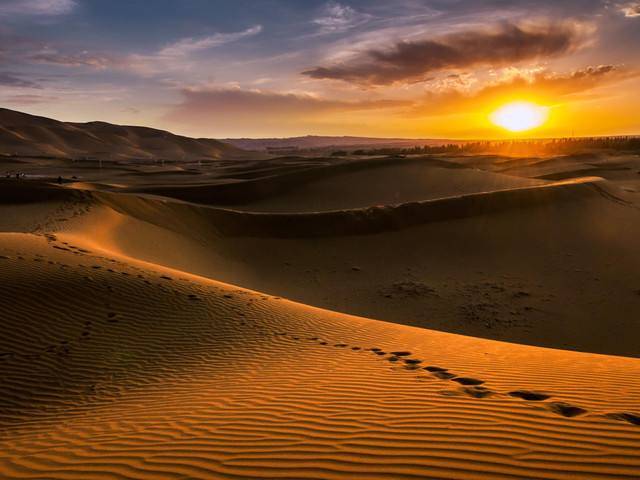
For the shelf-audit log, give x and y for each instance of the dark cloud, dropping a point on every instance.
(412, 60)
(8, 79)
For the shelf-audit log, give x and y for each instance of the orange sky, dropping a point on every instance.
(408, 68)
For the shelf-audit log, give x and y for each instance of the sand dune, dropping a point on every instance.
(120, 369)
(525, 265)
(123, 355)
(317, 185)
(373, 219)
(619, 168)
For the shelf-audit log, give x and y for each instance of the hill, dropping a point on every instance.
(22, 134)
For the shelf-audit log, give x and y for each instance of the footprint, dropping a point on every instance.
(566, 410)
(468, 381)
(625, 417)
(435, 369)
(393, 358)
(412, 361)
(401, 354)
(411, 367)
(477, 391)
(164, 277)
(527, 395)
(341, 345)
(443, 375)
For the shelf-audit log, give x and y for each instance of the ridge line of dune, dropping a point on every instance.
(282, 182)
(369, 220)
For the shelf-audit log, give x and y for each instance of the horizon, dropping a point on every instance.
(409, 69)
(311, 135)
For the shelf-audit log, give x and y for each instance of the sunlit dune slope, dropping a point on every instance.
(113, 368)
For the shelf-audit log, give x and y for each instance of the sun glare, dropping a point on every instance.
(520, 116)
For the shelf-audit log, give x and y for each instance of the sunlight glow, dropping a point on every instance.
(520, 116)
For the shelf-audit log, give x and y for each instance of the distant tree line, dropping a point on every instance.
(559, 146)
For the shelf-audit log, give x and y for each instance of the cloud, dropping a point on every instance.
(229, 110)
(555, 86)
(407, 61)
(339, 18)
(179, 56)
(29, 99)
(230, 101)
(191, 45)
(631, 9)
(547, 88)
(36, 7)
(8, 79)
(81, 59)
(175, 56)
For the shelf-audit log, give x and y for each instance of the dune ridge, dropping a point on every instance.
(363, 220)
(297, 180)
(164, 211)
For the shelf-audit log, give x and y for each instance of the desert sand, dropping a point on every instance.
(428, 317)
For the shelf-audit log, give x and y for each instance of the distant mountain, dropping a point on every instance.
(313, 141)
(29, 135)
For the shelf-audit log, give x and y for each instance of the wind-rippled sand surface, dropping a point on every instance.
(117, 362)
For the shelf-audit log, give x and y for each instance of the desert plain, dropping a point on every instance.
(248, 316)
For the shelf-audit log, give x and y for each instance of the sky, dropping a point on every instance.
(278, 68)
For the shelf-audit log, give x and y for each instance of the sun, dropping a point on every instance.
(520, 116)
